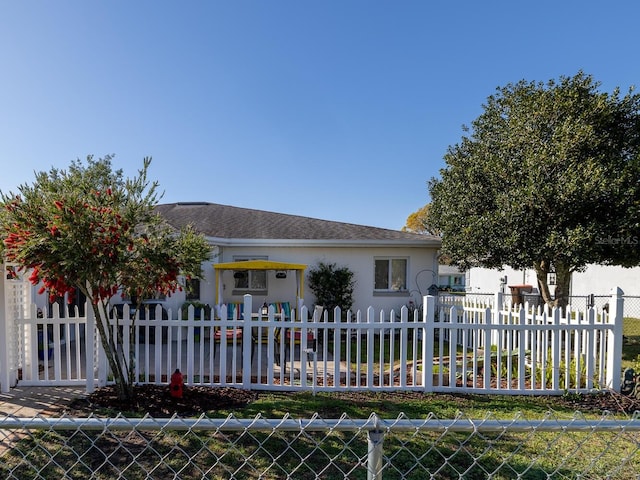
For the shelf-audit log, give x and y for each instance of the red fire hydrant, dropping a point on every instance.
(177, 384)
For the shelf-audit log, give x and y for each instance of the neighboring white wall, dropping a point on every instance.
(600, 279)
(596, 279)
(486, 280)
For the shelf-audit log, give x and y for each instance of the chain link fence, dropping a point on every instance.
(375, 448)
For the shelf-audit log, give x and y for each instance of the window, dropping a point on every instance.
(192, 288)
(247, 280)
(390, 274)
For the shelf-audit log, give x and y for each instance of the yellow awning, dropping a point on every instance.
(259, 265)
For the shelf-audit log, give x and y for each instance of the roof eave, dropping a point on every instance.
(249, 242)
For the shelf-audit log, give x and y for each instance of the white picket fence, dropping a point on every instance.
(530, 349)
(442, 348)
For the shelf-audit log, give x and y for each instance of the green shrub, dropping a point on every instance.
(199, 308)
(332, 286)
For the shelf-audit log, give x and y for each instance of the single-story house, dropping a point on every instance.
(390, 267)
(451, 279)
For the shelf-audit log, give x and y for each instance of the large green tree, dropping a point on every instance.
(91, 228)
(547, 178)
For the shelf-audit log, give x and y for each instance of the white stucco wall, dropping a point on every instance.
(422, 273)
(485, 280)
(599, 279)
(596, 279)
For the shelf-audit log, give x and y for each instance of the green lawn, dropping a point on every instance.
(631, 345)
(278, 454)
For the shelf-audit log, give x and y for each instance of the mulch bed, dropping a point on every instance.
(157, 402)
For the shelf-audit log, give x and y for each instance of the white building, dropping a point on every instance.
(390, 267)
(596, 280)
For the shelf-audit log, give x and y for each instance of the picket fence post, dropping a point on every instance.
(89, 340)
(495, 319)
(428, 337)
(614, 340)
(246, 342)
(5, 367)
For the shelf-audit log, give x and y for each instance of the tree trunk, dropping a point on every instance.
(542, 272)
(115, 355)
(563, 282)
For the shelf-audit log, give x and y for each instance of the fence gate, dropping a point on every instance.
(40, 348)
(15, 298)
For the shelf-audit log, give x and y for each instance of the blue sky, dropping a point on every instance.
(340, 110)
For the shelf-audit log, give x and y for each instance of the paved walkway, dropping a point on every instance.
(28, 402)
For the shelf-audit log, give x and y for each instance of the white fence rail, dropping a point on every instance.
(463, 347)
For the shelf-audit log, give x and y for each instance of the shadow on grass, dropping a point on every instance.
(390, 405)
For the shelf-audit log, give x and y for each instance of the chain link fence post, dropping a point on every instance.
(375, 439)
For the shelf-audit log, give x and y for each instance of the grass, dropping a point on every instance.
(392, 405)
(386, 350)
(631, 346)
(631, 327)
(338, 454)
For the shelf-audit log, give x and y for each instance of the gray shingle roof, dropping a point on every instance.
(227, 222)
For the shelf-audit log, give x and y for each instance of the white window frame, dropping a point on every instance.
(390, 274)
(251, 274)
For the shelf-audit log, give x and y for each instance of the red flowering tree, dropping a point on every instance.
(92, 229)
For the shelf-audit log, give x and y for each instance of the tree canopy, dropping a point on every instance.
(419, 222)
(547, 178)
(91, 228)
